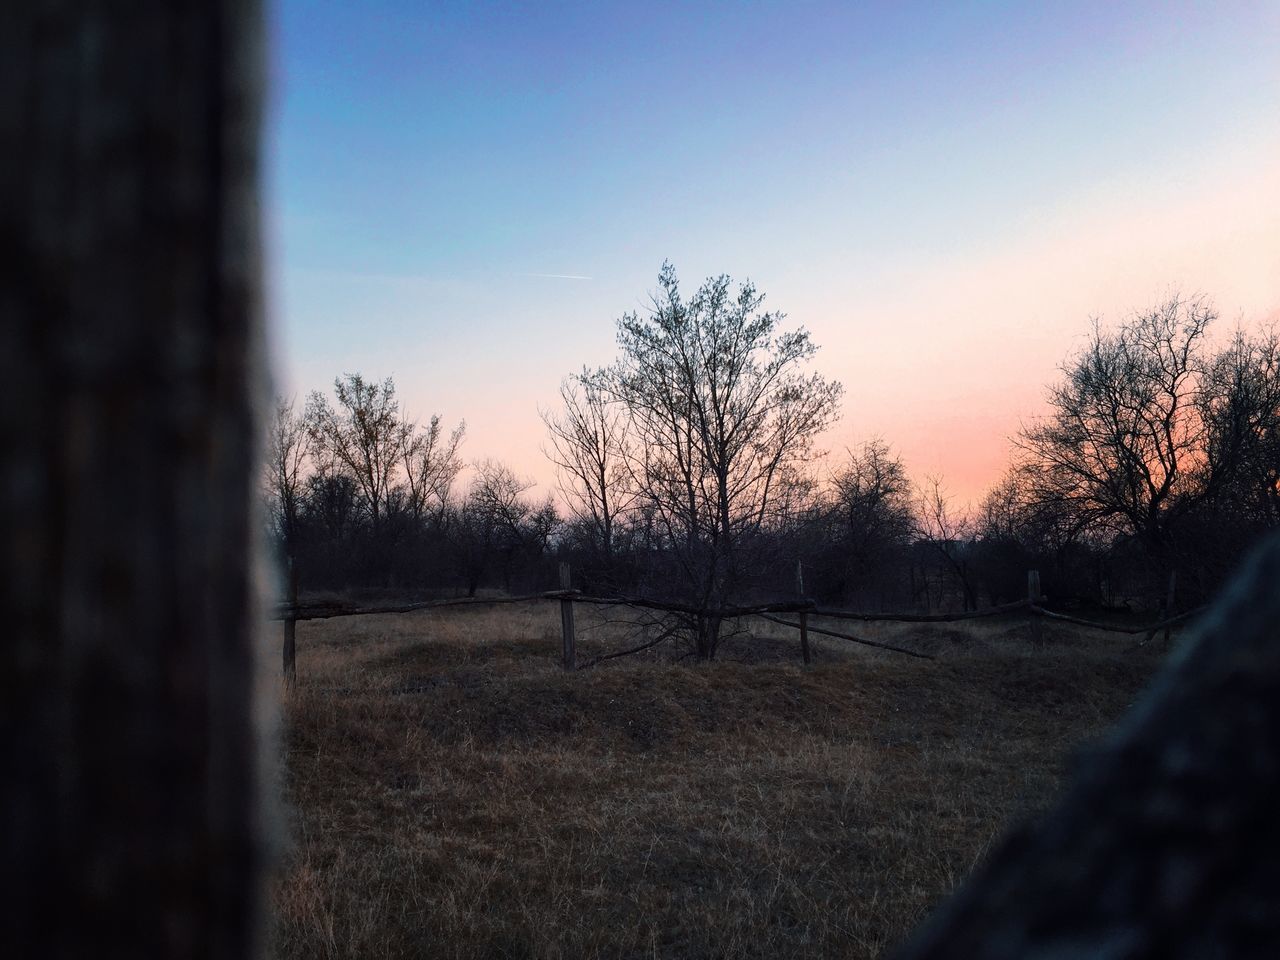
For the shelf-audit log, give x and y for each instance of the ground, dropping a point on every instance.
(450, 792)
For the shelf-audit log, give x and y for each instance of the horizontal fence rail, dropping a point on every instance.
(326, 610)
(293, 611)
(999, 611)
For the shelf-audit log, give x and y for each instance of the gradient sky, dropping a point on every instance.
(943, 194)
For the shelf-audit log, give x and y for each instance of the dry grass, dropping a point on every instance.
(453, 793)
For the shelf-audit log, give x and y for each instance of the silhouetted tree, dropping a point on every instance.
(588, 446)
(1239, 403)
(1123, 445)
(723, 420)
(364, 436)
(431, 465)
(402, 479)
(867, 523)
(497, 526)
(948, 533)
(1155, 440)
(288, 446)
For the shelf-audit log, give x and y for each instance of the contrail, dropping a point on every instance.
(557, 276)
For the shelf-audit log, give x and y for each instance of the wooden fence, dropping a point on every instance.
(293, 610)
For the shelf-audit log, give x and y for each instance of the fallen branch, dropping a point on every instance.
(666, 635)
(847, 636)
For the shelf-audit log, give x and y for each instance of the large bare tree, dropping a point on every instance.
(1121, 447)
(1156, 438)
(723, 416)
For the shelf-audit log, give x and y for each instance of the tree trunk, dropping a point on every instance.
(700, 639)
(707, 637)
(129, 349)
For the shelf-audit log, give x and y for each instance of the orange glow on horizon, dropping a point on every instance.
(942, 360)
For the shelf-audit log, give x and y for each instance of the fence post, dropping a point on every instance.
(291, 626)
(804, 615)
(566, 620)
(1033, 595)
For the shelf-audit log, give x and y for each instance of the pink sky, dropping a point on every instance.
(943, 360)
(965, 350)
(943, 197)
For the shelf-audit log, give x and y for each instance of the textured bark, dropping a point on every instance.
(1167, 842)
(129, 346)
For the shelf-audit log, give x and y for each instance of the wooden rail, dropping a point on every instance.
(1114, 628)
(328, 610)
(294, 611)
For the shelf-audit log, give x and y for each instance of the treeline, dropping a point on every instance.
(687, 469)
(1159, 458)
(359, 496)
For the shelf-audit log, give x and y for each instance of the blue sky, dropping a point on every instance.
(942, 193)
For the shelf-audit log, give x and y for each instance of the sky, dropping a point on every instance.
(466, 196)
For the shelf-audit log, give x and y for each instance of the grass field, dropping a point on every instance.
(450, 792)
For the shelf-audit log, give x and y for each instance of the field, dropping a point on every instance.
(451, 793)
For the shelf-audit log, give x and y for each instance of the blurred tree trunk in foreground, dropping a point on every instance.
(129, 351)
(1167, 841)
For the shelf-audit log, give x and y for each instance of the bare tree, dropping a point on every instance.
(1002, 514)
(723, 420)
(431, 465)
(288, 444)
(1014, 509)
(949, 533)
(364, 435)
(1122, 446)
(588, 446)
(1239, 402)
(1015, 533)
(871, 497)
(866, 522)
(496, 523)
(498, 492)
